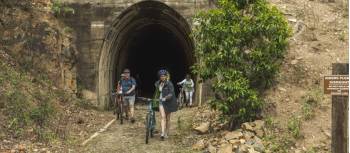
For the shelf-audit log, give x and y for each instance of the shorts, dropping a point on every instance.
(129, 100)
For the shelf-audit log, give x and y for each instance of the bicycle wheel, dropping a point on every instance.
(152, 125)
(148, 127)
(121, 112)
(179, 101)
(117, 109)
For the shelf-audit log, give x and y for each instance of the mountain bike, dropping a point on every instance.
(119, 106)
(181, 97)
(150, 117)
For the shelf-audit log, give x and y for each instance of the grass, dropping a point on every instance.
(294, 125)
(311, 101)
(27, 102)
(280, 142)
(342, 36)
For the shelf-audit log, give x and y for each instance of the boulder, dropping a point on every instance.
(227, 148)
(248, 135)
(258, 124)
(258, 145)
(89, 95)
(242, 149)
(211, 149)
(251, 150)
(247, 127)
(233, 135)
(235, 142)
(259, 133)
(200, 145)
(203, 128)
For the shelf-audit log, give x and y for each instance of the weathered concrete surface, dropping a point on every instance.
(93, 19)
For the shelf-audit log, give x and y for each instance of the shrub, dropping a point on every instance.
(59, 8)
(240, 46)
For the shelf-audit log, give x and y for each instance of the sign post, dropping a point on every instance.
(337, 86)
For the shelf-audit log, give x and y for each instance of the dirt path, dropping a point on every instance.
(130, 138)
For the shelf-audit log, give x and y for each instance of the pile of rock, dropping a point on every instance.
(244, 140)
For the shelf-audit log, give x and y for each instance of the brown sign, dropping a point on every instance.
(336, 84)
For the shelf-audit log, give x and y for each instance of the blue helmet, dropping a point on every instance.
(162, 72)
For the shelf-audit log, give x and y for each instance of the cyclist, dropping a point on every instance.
(128, 85)
(188, 86)
(167, 103)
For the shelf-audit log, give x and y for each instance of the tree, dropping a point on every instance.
(239, 46)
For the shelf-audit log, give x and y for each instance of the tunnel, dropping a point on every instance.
(146, 37)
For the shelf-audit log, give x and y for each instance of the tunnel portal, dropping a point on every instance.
(146, 37)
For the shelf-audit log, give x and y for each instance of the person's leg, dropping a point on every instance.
(125, 107)
(167, 124)
(190, 97)
(131, 105)
(187, 96)
(163, 119)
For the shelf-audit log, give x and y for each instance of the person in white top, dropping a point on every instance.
(188, 86)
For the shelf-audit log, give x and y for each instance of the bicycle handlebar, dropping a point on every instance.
(146, 99)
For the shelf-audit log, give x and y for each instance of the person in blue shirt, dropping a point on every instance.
(128, 86)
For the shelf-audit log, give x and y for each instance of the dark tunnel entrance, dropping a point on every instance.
(151, 48)
(145, 37)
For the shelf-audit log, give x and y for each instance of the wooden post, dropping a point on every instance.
(340, 110)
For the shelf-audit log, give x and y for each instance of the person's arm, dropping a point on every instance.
(192, 83)
(182, 82)
(132, 87)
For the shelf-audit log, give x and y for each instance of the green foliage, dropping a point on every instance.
(239, 46)
(310, 102)
(17, 108)
(60, 9)
(41, 114)
(294, 125)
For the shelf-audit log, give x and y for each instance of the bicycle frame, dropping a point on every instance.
(150, 118)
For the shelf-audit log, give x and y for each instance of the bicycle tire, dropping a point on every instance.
(152, 125)
(116, 111)
(148, 127)
(121, 112)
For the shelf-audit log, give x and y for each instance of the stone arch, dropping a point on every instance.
(146, 23)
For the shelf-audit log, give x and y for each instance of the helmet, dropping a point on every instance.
(126, 71)
(162, 72)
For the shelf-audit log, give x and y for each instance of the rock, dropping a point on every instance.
(248, 135)
(211, 149)
(242, 141)
(203, 128)
(258, 145)
(87, 94)
(233, 135)
(251, 150)
(223, 141)
(282, 89)
(21, 147)
(242, 149)
(258, 124)
(227, 148)
(246, 126)
(293, 62)
(200, 145)
(235, 142)
(259, 133)
(297, 151)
